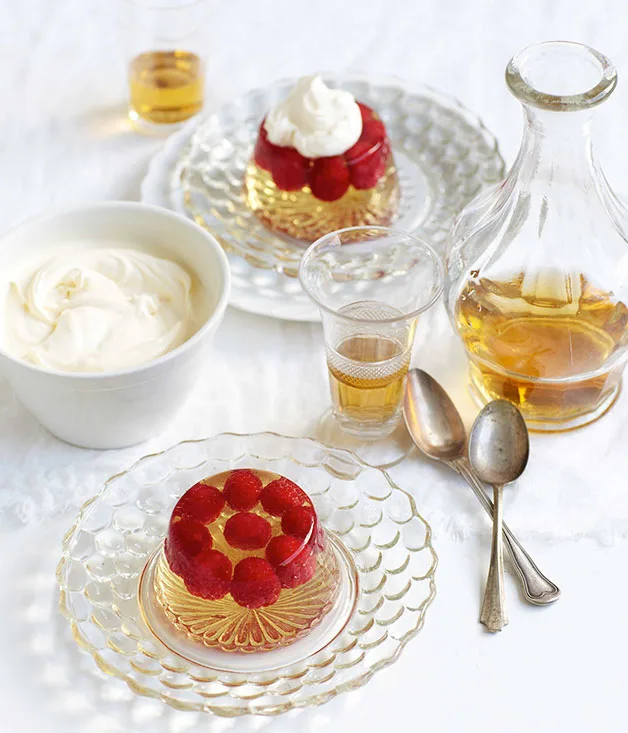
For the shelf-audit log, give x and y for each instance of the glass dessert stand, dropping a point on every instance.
(443, 153)
(382, 545)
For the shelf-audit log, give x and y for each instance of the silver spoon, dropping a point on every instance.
(498, 452)
(438, 431)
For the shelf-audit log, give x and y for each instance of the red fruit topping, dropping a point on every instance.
(283, 549)
(242, 489)
(187, 538)
(329, 178)
(247, 531)
(209, 576)
(255, 583)
(373, 131)
(367, 172)
(265, 151)
(293, 560)
(290, 169)
(299, 521)
(298, 571)
(280, 494)
(203, 503)
(366, 112)
(360, 151)
(367, 159)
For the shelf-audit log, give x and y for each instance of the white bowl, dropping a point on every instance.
(121, 408)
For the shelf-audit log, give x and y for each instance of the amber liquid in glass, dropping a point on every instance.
(551, 356)
(367, 375)
(166, 86)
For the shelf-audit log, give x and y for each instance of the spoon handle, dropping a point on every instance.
(537, 588)
(493, 614)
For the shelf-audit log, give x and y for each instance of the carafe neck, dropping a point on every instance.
(559, 85)
(556, 146)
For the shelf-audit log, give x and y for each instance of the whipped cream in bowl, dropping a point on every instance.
(107, 313)
(316, 120)
(98, 309)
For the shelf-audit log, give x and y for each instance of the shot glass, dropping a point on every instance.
(166, 47)
(371, 284)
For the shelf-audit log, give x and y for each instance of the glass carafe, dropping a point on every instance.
(538, 266)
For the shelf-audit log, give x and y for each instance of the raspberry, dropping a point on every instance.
(242, 489)
(298, 571)
(283, 549)
(247, 531)
(293, 561)
(280, 494)
(201, 502)
(290, 169)
(373, 131)
(186, 539)
(329, 178)
(366, 172)
(367, 159)
(255, 583)
(360, 151)
(265, 151)
(209, 576)
(299, 521)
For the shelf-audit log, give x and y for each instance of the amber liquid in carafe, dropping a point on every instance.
(166, 86)
(547, 349)
(366, 375)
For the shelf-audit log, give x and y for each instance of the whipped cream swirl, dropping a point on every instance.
(98, 310)
(316, 120)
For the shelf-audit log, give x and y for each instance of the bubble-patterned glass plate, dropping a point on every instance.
(116, 532)
(444, 154)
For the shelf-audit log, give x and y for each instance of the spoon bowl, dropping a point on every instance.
(432, 418)
(499, 445)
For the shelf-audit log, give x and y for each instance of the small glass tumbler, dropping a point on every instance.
(371, 284)
(166, 47)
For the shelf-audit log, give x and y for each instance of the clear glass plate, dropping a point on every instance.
(371, 520)
(444, 154)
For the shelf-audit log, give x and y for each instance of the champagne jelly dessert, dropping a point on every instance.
(245, 565)
(322, 161)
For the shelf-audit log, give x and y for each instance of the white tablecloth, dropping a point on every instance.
(64, 140)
